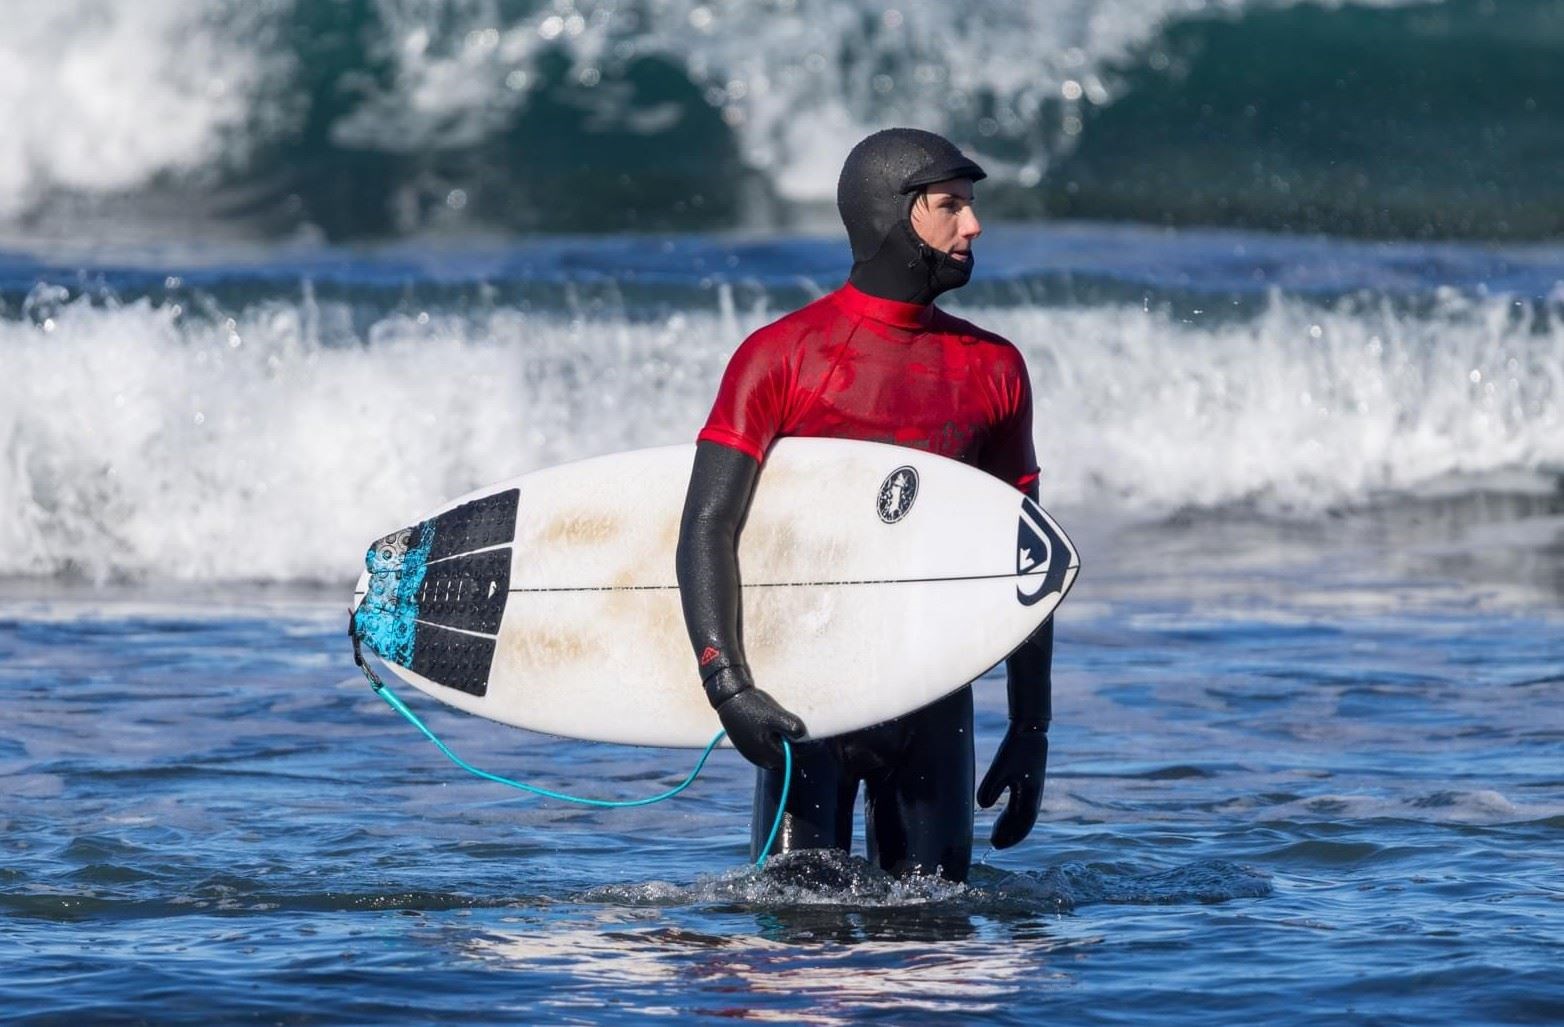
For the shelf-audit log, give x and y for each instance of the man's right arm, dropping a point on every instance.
(721, 484)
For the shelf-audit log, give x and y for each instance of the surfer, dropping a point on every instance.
(877, 361)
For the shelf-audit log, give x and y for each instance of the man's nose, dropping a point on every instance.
(971, 227)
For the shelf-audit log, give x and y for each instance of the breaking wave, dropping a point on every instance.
(144, 439)
(378, 118)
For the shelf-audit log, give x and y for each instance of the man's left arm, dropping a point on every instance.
(1022, 760)
(1021, 763)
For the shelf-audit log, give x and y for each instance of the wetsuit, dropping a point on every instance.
(893, 369)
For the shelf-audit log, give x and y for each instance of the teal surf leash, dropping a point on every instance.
(392, 700)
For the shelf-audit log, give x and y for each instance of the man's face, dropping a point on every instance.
(944, 218)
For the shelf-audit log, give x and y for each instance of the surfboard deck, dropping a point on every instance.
(875, 579)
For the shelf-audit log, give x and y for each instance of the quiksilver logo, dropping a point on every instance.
(897, 493)
(1041, 556)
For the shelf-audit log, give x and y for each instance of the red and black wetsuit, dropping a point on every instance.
(874, 360)
(854, 366)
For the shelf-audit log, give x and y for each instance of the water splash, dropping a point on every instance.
(829, 879)
(141, 440)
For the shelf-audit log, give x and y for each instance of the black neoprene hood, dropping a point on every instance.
(882, 175)
(880, 179)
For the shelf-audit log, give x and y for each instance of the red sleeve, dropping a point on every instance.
(1011, 454)
(751, 404)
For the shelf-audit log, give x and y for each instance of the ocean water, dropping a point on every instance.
(279, 276)
(372, 119)
(1309, 690)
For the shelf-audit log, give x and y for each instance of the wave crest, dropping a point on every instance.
(144, 440)
(1391, 117)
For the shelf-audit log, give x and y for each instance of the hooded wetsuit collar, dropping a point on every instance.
(892, 312)
(881, 180)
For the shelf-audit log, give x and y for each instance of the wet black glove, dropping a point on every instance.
(755, 722)
(1019, 765)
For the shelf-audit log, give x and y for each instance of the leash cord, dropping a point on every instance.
(397, 704)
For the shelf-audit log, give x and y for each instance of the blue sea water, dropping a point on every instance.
(278, 277)
(1294, 779)
(1309, 691)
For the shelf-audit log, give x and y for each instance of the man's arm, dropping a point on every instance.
(721, 484)
(1021, 763)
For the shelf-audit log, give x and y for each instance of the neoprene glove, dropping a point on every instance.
(1020, 765)
(755, 722)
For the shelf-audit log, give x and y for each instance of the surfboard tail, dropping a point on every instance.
(437, 591)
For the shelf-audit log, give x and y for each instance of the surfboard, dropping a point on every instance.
(875, 579)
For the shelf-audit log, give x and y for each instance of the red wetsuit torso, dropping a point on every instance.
(854, 366)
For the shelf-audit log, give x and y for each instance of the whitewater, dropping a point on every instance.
(218, 119)
(160, 436)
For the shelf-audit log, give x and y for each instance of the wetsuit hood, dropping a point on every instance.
(882, 177)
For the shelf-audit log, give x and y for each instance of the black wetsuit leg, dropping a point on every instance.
(919, 808)
(917, 771)
(819, 803)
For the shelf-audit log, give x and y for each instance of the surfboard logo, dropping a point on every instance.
(897, 493)
(1042, 557)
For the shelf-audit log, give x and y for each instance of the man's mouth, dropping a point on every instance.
(961, 254)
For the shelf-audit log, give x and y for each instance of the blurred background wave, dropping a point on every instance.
(368, 119)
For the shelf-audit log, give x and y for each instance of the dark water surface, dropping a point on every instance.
(1298, 775)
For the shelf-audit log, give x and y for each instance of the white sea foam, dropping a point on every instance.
(1298, 410)
(102, 97)
(136, 442)
(798, 80)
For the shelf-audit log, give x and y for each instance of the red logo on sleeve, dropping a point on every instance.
(708, 654)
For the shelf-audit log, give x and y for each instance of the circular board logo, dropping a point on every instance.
(897, 492)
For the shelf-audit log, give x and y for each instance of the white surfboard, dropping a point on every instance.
(876, 579)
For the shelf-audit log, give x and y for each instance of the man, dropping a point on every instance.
(875, 360)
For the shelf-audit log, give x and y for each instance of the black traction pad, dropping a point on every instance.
(437, 592)
(480, 524)
(453, 659)
(466, 592)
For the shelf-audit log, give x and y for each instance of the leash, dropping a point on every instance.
(395, 702)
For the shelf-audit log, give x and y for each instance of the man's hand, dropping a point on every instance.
(755, 722)
(1019, 765)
